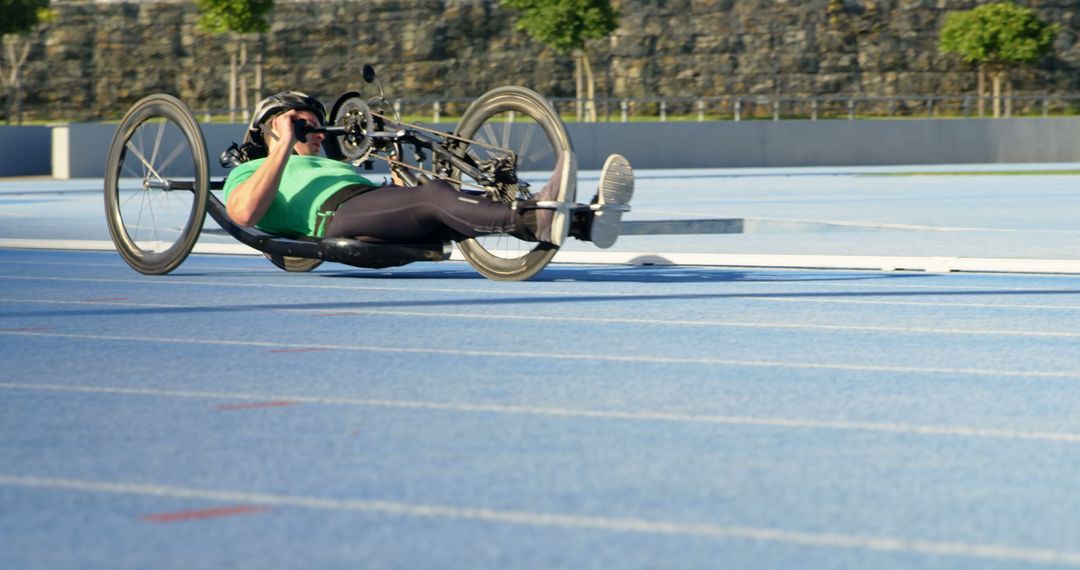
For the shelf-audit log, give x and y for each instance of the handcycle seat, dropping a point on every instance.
(354, 252)
(360, 253)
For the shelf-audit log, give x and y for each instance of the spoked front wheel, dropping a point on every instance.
(523, 122)
(156, 185)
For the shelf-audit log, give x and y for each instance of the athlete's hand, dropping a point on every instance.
(283, 127)
(395, 177)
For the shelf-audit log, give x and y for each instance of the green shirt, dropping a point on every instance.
(305, 184)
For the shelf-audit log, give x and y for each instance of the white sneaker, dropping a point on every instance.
(567, 171)
(553, 217)
(613, 198)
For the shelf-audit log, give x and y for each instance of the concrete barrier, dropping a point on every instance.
(829, 143)
(24, 151)
(79, 150)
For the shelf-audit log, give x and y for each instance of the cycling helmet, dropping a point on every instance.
(279, 103)
(254, 146)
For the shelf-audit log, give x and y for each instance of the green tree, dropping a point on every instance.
(997, 37)
(238, 19)
(17, 19)
(566, 26)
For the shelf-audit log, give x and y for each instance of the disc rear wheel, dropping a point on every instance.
(293, 264)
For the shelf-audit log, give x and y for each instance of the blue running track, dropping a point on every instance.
(231, 415)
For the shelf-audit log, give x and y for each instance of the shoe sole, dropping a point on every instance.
(616, 188)
(560, 223)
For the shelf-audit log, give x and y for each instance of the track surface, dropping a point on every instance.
(232, 415)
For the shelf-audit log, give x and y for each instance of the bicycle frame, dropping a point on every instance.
(386, 143)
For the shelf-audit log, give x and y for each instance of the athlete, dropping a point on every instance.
(283, 186)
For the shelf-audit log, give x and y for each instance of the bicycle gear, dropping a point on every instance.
(355, 115)
(504, 186)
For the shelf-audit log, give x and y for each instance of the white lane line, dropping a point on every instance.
(841, 262)
(213, 248)
(946, 290)
(854, 282)
(567, 521)
(568, 319)
(704, 323)
(218, 283)
(118, 304)
(1021, 306)
(555, 356)
(785, 282)
(928, 287)
(270, 269)
(559, 294)
(642, 416)
(127, 303)
(938, 264)
(899, 226)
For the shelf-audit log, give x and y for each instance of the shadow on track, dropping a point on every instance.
(630, 274)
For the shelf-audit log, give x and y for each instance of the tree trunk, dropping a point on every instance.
(578, 85)
(982, 90)
(1008, 98)
(16, 53)
(996, 78)
(244, 78)
(19, 84)
(232, 83)
(9, 81)
(258, 75)
(18, 99)
(590, 83)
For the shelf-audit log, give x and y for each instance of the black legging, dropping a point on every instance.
(432, 211)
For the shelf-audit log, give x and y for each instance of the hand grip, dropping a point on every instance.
(302, 129)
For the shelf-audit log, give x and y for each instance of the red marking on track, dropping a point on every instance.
(298, 349)
(204, 513)
(255, 405)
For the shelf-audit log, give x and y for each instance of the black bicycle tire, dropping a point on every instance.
(331, 144)
(531, 103)
(173, 110)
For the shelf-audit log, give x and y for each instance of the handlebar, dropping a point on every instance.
(302, 129)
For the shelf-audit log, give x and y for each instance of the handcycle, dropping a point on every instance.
(158, 188)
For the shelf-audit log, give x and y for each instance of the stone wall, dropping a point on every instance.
(97, 58)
